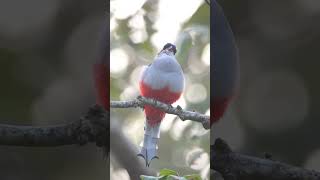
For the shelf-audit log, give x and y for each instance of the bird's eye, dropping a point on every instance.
(174, 49)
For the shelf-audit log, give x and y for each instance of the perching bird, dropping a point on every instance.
(162, 80)
(225, 68)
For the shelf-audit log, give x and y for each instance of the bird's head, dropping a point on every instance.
(169, 49)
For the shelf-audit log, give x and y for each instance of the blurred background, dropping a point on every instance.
(139, 30)
(277, 107)
(47, 48)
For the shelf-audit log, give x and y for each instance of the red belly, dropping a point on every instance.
(219, 107)
(102, 85)
(164, 95)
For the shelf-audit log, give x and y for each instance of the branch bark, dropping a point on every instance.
(93, 127)
(182, 114)
(235, 166)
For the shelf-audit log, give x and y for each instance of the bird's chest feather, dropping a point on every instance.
(163, 75)
(164, 94)
(163, 80)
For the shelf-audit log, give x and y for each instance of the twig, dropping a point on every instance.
(182, 114)
(235, 166)
(93, 127)
(208, 2)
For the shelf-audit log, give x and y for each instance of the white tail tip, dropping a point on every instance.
(150, 141)
(148, 155)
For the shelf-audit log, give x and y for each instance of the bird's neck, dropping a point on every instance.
(165, 52)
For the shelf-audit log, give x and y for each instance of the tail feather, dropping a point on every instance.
(149, 149)
(148, 154)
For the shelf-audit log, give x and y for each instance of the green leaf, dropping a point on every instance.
(168, 172)
(193, 177)
(143, 177)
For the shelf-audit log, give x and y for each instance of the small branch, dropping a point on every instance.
(182, 114)
(235, 166)
(93, 127)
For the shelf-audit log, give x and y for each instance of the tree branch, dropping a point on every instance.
(182, 114)
(93, 127)
(235, 166)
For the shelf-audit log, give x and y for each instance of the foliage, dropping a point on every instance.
(168, 174)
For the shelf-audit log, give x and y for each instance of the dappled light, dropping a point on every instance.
(178, 128)
(119, 61)
(120, 174)
(168, 27)
(122, 10)
(196, 158)
(137, 35)
(206, 55)
(196, 93)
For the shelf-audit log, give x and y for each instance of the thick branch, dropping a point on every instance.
(182, 114)
(235, 166)
(93, 127)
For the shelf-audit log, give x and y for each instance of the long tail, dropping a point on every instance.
(150, 143)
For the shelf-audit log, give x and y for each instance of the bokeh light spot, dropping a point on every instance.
(178, 128)
(119, 61)
(122, 9)
(197, 158)
(196, 93)
(206, 55)
(167, 8)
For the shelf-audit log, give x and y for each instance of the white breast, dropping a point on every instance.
(164, 71)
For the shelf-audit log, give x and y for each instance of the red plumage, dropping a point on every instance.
(164, 95)
(162, 80)
(101, 78)
(220, 105)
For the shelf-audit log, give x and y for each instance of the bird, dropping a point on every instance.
(162, 80)
(225, 69)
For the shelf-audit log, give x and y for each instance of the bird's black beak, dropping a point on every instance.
(172, 49)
